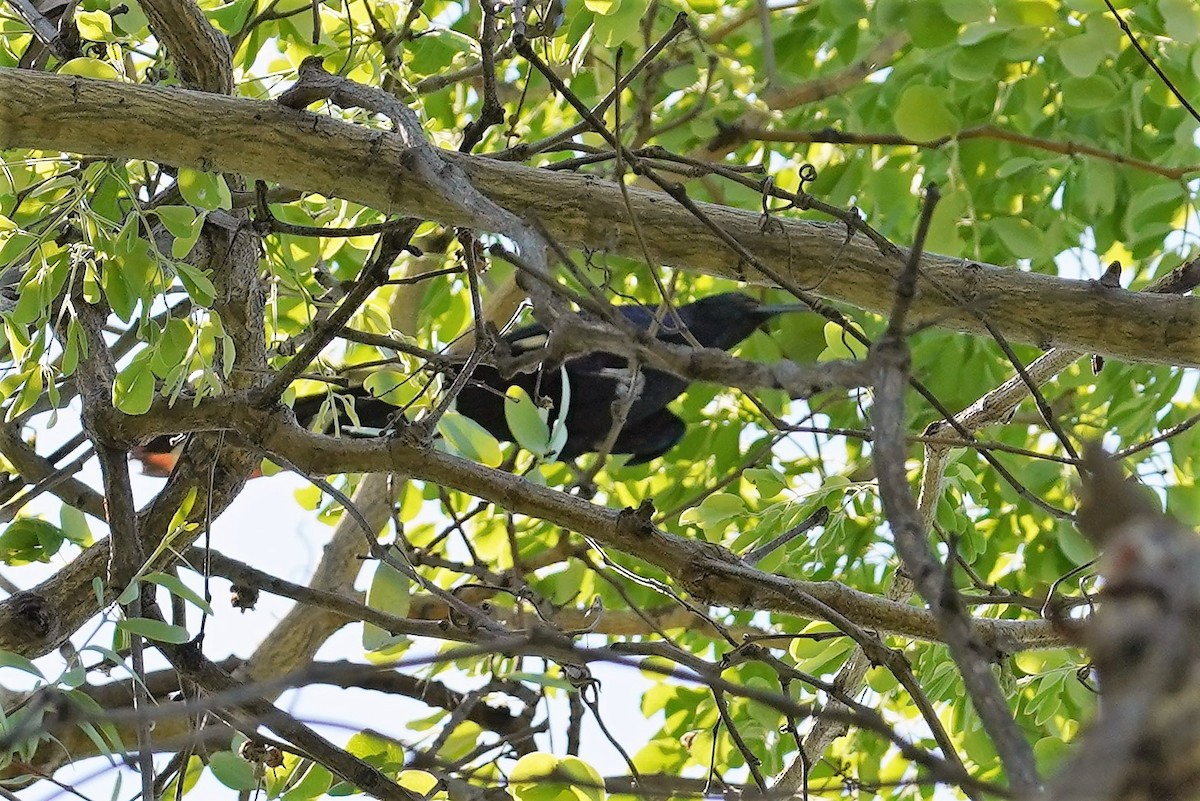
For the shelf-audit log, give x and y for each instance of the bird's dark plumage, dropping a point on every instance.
(650, 430)
(596, 381)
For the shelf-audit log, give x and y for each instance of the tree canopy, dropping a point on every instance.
(866, 567)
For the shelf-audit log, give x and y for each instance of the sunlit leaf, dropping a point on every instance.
(204, 190)
(390, 592)
(470, 439)
(95, 25)
(175, 586)
(29, 539)
(155, 630)
(89, 68)
(527, 421)
(232, 771)
(133, 391)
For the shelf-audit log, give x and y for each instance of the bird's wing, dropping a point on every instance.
(651, 437)
(670, 327)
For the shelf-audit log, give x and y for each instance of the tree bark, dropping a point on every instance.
(319, 154)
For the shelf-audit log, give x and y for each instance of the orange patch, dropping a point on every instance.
(160, 465)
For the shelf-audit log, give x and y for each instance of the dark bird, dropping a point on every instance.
(596, 381)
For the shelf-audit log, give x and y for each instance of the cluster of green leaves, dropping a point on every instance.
(83, 226)
(33, 539)
(24, 726)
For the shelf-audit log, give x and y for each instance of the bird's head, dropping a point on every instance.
(722, 321)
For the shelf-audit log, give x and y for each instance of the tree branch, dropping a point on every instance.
(372, 167)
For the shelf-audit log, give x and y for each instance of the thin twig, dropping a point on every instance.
(1183, 101)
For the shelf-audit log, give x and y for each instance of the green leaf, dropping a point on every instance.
(31, 305)
(950, 213)
(155, 630)
(965, 11)
(619, 25)
(767, 481)
(1074, 546)
(393, 386)
(529, 780)
(378, 751)
(108, 744)
(470, 440)
(1181, 20)
(204, 190)
(558, 436)
(586, 781)
(839, 344)
(1015, 165)
(1017, 235)
(540, 680)
(75, 349)
(422, 783)
(13, 240)
(527, 421)
(1156, 203)
(18, 662)
(29, 539)
(1088, 94)
(1051, 751)
(120, 295)
(232, 771)
(390, 592)
(923, 113)
(1033, 12)
(172, 347)
(198, 285)
(31, 393)
(175, 586)
(714, 513)
(183, 244)
(75, 526)
(130, 593)
(95, 26)
(176, 219)
(89, 68)
(929, 24)
(230, 17)
(191, 775)
(133, 391)
(1080, 55)
(462, 741)
(315, 782)
(433, 52)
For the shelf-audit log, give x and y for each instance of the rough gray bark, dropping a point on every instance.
(316, 153)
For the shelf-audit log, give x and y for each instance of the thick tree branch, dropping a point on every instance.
(709, 572)
(200, 52)
(34, 468)
(372, 167)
